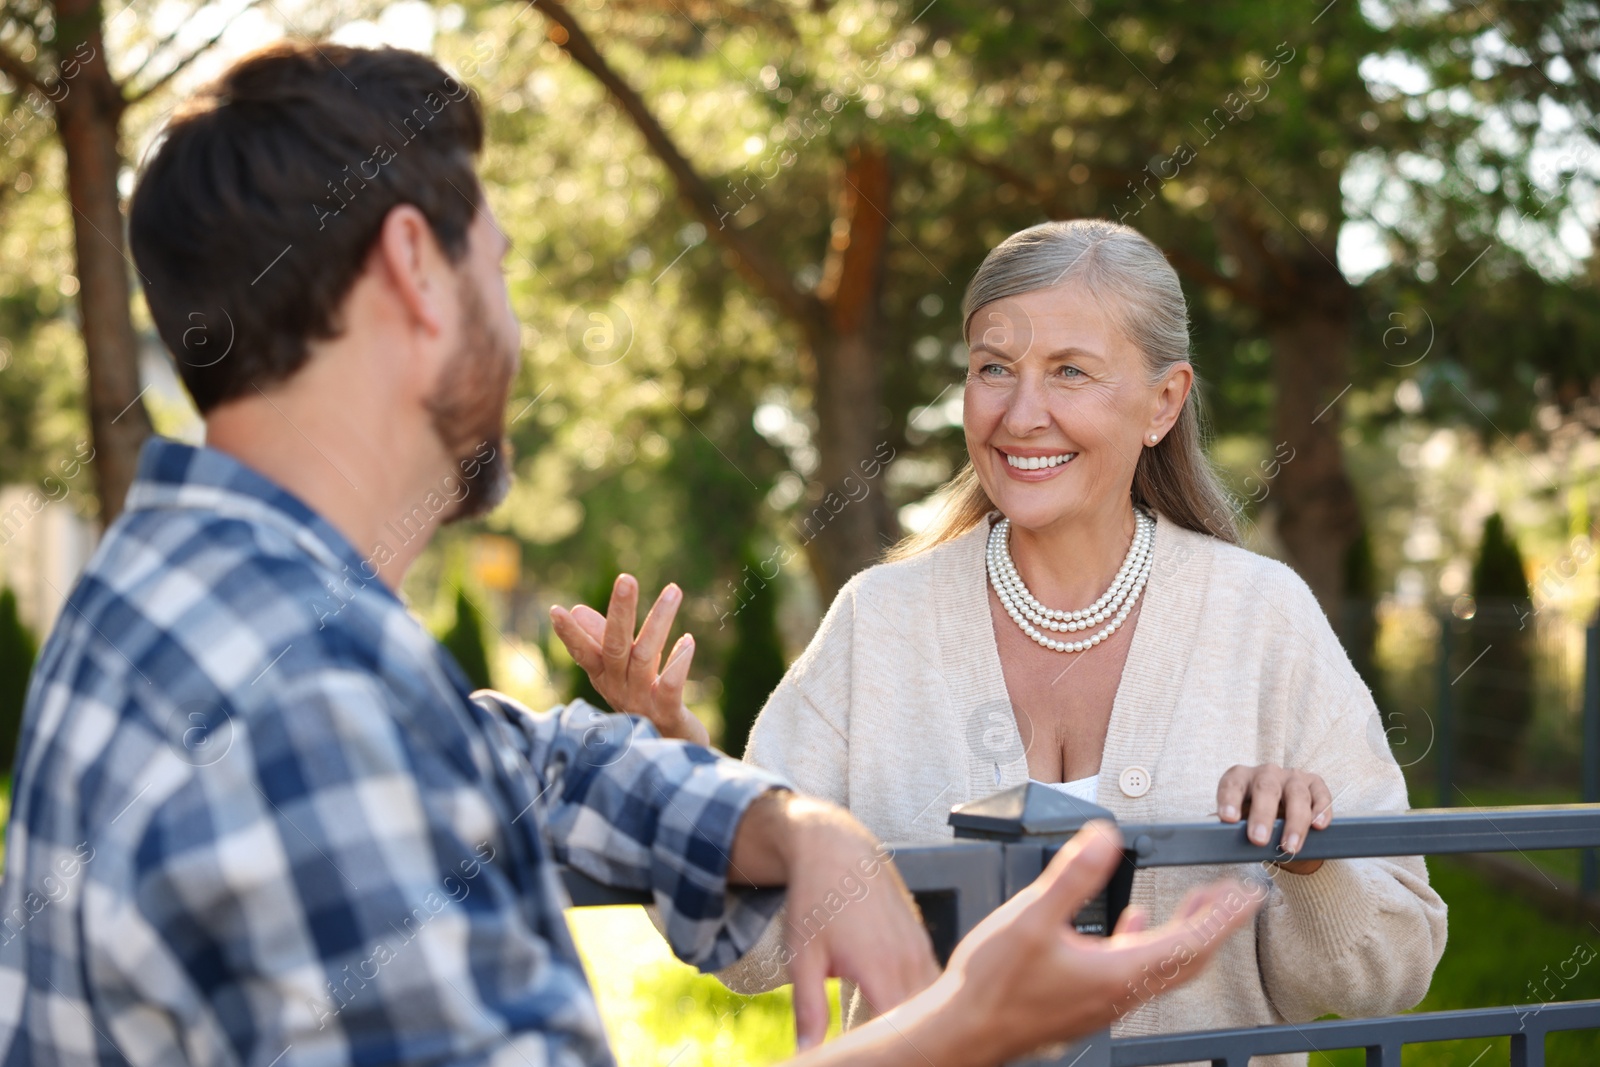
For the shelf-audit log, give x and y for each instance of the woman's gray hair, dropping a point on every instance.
(1119, 266)
(1131, 278)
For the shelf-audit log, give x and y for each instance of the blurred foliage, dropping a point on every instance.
(756, 663)
(1499, 572)
(672, 427)
(1358, 629)
(465, 641)
(17, 653)
(1497, 707)
(41, 363)
(664, 416)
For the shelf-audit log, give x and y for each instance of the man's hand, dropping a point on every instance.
(1038, 980)
(625, 670)
(849, 914)
(1025, 978)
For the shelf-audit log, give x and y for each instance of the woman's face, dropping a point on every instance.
(1058, 406)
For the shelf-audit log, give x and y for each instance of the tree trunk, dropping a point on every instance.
(1319, 515)
(847, 521)
(88, 119)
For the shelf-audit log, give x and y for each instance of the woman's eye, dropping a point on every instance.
(991, 370)
(1071, 372)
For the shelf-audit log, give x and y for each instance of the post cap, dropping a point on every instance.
(1031, 811)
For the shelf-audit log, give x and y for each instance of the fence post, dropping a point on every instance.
(1446, 735)
(1589, 867)
(1031, 821)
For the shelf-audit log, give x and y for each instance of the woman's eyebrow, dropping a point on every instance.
(1074, 350)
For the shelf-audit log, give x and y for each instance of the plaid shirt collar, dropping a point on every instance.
(172, 474)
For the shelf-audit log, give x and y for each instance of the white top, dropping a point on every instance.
(1082, 788)
(898, 709)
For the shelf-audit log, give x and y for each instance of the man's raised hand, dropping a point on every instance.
(626, 669)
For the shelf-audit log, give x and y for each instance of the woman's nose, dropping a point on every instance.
(1028, 409)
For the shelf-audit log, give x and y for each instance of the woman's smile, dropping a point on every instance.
(1034, 465)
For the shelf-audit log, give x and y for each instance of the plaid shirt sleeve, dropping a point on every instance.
(336, 888)
(633, 810)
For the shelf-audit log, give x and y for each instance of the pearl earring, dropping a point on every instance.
(1154, 438)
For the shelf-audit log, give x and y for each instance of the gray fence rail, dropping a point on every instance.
(1004, 841)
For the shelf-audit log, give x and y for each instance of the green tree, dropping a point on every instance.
(465, 641)
(1359, 630)
(836, 318)
(752, 168)
(755, 664)
(17, 652)
(58, 76)
(1250, 140)
(1499, 572)
(1497, 689)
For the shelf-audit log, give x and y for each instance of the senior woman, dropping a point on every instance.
(1081, 614)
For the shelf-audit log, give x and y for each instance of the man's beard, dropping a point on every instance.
(469, 410)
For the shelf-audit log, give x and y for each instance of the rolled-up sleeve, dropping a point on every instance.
(635, 811)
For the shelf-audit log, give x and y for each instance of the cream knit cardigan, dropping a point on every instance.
(898, 710)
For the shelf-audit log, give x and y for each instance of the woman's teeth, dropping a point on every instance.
(1033, 463)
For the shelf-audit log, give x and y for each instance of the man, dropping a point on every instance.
(257, 817)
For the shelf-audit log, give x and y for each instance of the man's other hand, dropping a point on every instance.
(849, 915)
(1024, 978)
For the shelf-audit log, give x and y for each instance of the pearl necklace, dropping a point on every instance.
(1032, 616)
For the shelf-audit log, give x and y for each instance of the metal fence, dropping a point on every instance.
(1482, 699)
(1488, 703)
(1004, 841)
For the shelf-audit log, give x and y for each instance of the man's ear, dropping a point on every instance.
(415, 266)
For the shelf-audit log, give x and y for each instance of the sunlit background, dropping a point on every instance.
(750, 384)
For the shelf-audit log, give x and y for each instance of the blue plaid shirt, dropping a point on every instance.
(258, 819)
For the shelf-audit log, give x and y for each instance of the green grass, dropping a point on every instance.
(1501, 950)
(1562, 863)
(660, 1012)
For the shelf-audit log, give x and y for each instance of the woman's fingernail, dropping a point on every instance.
(1258, 834)
(671, 594)
(1230, 812)
(1291, 843)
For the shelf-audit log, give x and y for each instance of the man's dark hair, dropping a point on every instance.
(260, 206)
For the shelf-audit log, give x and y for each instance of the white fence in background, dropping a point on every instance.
(44, 545)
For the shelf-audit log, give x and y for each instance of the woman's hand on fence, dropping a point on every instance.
(626, 669)
(1269, 792)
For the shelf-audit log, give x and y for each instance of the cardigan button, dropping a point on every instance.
(1135, 781)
